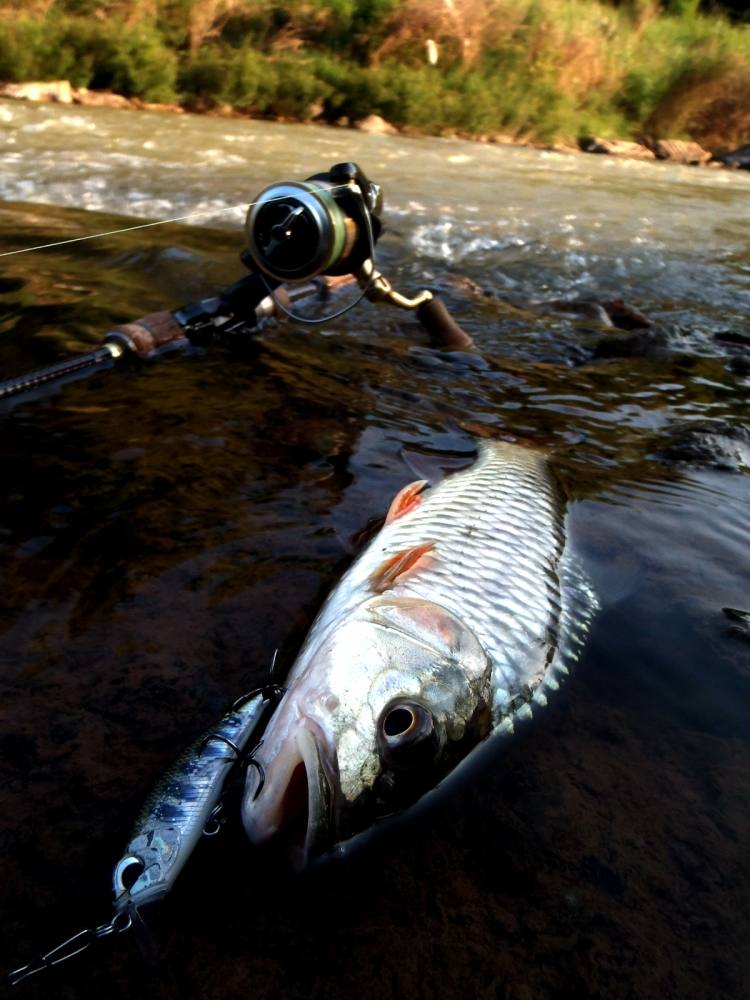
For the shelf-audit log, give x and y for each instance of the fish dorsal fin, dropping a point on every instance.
(434, 466)
(405, 500)
(397, 567)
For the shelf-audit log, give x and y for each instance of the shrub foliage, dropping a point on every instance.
(532, 68)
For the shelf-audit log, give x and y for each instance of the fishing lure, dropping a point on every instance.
(183, 806)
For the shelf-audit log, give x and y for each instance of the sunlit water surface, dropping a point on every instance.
(165, 529)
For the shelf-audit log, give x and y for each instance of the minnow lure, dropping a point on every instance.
(185, 804)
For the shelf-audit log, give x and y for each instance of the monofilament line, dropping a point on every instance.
(146, 225)
(115, 232)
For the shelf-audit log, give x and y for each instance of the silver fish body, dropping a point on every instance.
(176, 813)
(460, 615)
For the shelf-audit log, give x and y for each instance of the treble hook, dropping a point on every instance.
(244, 759)
(71, 947)
(268, 691)
(224, 739)
(214, 821)
(250, 761)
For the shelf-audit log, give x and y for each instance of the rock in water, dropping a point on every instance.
(59, 91)
(738, 159)
(680, 151)
(616, 147)
(375, 125)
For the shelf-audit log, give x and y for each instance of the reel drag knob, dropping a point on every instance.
(297, 230)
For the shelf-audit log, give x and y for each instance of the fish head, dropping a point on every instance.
(379, 712)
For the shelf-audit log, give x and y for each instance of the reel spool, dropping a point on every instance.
(327, 224)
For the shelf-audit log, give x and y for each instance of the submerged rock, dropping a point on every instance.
(738, 159)
(737, 348)
(716, 444)
(577, 309)
(650, 343)
(605, 312)
(739, 364)
(732, 337)
(625, 317)
(740, 623)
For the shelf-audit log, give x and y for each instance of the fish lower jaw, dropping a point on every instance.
(288, 812)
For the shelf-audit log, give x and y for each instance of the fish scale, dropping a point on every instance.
(499, 543)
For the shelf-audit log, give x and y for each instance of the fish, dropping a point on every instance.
(457, 621)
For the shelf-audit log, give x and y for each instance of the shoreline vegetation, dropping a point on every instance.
(648, 78)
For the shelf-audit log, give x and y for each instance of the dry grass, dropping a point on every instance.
(719, 111)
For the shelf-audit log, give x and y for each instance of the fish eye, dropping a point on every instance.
(406, 735)
(398, 721)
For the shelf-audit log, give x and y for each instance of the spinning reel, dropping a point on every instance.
(327, 227)
(328, 224)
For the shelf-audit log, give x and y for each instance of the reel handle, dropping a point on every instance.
(442, 327)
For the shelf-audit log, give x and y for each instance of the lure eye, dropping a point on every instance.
(407, 736)
(127, 873)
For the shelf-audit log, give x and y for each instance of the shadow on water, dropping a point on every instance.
(164, 529)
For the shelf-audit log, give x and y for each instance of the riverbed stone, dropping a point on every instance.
(716, 444)
(624, 316)
(375, 125)
(680, 151)
(172, 109)
(58, 91)
(100, 99)
(584, 309)
(603, 311)
(653, 342)
(738, 159)
(616, 147)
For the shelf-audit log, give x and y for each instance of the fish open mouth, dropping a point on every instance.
(294, 807)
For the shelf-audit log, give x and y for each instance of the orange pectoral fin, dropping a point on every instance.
(397, 567)
(405, 500)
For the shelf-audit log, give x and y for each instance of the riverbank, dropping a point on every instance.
(534, 71)
(684, 152)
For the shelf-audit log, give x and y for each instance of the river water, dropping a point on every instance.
(164, 529)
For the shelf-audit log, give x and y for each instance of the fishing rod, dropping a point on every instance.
(304, 239)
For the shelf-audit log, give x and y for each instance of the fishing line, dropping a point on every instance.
(148, 225)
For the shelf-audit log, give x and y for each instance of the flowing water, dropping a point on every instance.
(165, 528)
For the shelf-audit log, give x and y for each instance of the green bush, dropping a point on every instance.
(535, 68)
(205, 78)
(20, 40)
(299, 92)
(110, 55)
(252, 82)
